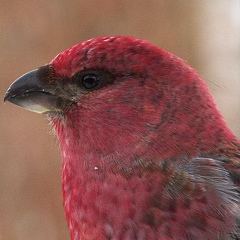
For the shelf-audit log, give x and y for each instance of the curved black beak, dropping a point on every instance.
(32, 93)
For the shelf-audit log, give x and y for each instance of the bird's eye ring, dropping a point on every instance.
(90, 81)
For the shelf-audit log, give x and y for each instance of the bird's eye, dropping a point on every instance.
(90, 81)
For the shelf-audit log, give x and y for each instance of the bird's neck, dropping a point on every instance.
(90, 175)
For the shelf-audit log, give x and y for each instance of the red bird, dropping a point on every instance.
(145, 152)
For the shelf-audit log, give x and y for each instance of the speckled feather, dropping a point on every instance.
(147, 156)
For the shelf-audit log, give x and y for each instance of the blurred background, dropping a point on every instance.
(204, 33)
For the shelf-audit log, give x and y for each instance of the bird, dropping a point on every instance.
(146, 154)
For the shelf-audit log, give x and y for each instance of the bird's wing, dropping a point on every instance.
(199, 200)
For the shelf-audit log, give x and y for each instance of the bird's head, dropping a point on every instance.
(122, 64)
(122, 95)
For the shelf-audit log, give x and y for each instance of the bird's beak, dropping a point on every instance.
(31, 93)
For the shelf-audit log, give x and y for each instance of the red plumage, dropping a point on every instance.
(145, 153)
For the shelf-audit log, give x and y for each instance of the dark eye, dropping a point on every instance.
(90, 81)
